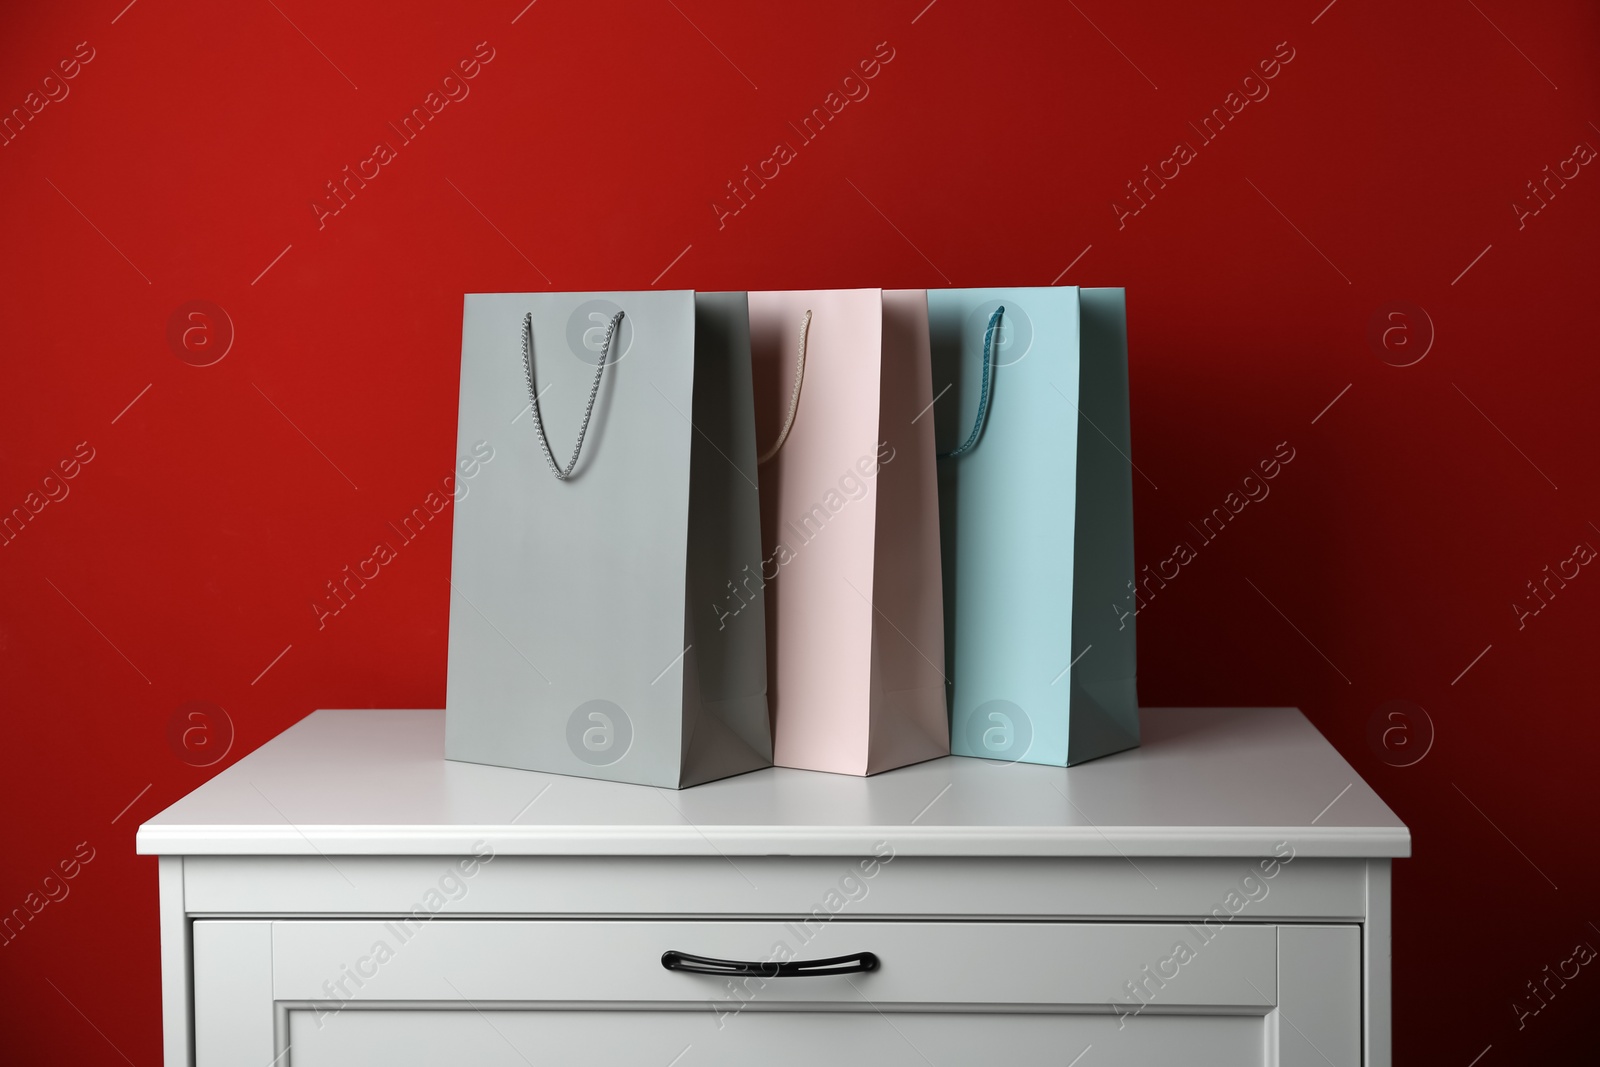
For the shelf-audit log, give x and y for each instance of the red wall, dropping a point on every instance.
(182, 560)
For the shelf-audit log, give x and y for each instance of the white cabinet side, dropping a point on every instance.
(1376, 955)
(177, 1042)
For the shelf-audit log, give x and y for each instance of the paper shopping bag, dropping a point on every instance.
(620, 499)
(1036, 509)
(850, 569)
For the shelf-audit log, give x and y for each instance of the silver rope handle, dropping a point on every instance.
(533, 394)
(794, 396)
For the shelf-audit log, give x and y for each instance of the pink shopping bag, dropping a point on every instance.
(850, 575)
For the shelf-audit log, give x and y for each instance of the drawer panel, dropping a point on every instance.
(988, 966)
(372, 1038)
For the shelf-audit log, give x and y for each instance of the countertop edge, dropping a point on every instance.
(1374, 842)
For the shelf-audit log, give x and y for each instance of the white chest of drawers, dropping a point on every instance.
(345, 896)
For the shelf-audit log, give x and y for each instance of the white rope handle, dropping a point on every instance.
(794, 397)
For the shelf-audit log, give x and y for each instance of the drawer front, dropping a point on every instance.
(769, 1039)
(296, 993)
(975, 966)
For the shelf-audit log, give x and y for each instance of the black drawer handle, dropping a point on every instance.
(683, 961)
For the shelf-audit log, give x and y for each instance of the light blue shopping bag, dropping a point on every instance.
(1036, 521)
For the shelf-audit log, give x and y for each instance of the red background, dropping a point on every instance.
(185, 559)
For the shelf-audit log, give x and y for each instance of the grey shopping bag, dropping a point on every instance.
(591, 550)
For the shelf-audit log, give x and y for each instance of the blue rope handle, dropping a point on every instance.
(983, 394)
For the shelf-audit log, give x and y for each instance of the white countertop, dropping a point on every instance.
(1206, 782)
